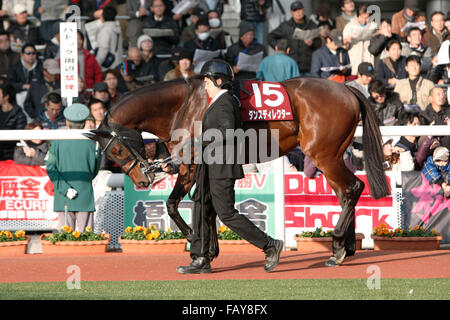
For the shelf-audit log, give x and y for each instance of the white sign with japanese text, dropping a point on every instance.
(69, 60)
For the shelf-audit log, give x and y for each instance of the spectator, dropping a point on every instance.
(357, 34)
(8, 58)
(216, 31)
(419, 152)
(301, 50)
(378, 42)
(414, 46)
(49, 13)
(254, 12)
(348, 13)
(136, 10)
(150, 64)
(436, 34)
(437, 169)
(11, 117)
(94, 8)
(88, 66)
(25, 72)
(415, 89)
(409, 13)
(83, 94)
(34, 99)
(332, 54)
(440, 73)
(51, 116)
(365, 75)
(248, 45)
(71, 166)
(183, 68)
(396, 160)
(128, 74)
(323, 16)
(437, 110)
(23, 30)
(202, 40)
(33, 153)
(109, 40)
(52, 45)
(188, 32)
(101, 92)
(98, 110)
(280, 66)
(386, 104)
(445, 140)
(160, 19)
(447, 24)
(392, 68)
(111, 78)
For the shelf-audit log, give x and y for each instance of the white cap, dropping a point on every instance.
(19, 8)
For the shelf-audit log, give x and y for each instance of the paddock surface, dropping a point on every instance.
(115, 266)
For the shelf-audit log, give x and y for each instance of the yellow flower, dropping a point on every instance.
(222, 228)
(67, 229)
(128, 229)
(8, 234)
(322, 233)
(433, 231)
(103, 234)
(386, 231)
(169, 230)
(76, 234)
(149, 236)
(155, 234)
(152, 227)
(88, 229)
(379, 233)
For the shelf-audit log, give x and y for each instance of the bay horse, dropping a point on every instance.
(325, 117)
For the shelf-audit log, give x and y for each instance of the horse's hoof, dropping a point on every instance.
(335, 261)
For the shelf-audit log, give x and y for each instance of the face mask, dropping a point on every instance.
(214, 23)
(203, 36)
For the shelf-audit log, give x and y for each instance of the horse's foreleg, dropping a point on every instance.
(175, 197)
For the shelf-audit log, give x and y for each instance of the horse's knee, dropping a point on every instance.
(172, 208)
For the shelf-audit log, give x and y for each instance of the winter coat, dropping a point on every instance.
(109, 40)
(28, 33)
(33, 101)
(8, 58)
(92, 70)
(18, 75)
(162, 45)
(323, 57)
(59, 122)
(299, 50)
(438, 117)
(403, 88)
(387, 70)
(37, 160)
(251, 11)
(434, 173)
(399, 21)
(232, 55)
(277, 67)
(391, 108)
(15, 119)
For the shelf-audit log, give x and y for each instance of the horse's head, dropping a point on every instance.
(125, 147)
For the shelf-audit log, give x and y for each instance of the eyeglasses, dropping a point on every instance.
(29, 53)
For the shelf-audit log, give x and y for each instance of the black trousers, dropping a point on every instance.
(221, 201)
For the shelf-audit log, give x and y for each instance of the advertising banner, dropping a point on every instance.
(311, 203)
(424, 204)
(254, 198)
(26, 193)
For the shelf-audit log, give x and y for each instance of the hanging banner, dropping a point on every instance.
(424, 204)
(26, 193)
(311, 203)
(254, 199)
(69, 60)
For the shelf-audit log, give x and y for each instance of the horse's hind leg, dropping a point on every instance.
(348, 189)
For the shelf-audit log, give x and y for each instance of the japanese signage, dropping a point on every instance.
(26, 193)
(69, 60)
(254, 199)
(312, 203)
(264, 101)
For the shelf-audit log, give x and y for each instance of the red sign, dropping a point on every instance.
(264, 101)
(26, 193)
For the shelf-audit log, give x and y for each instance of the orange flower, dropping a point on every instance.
(128, 229)
(222, 228)
(379, 233)
(416, 228)
(386, 231)
(76, 234)
(149, 236)
(103, 234)
(8, 234)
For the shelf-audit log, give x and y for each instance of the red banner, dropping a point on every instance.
(26, 192)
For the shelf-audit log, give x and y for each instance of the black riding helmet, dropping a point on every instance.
(217, 68)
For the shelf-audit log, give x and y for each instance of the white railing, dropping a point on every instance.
(63, 134)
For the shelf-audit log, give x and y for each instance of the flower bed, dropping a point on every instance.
(74, 242)
(230, 242)
(417, 238)
(320, 240)
(151, 240)
(13, 244)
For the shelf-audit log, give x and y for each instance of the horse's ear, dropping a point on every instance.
(91, 136)
(101, 133)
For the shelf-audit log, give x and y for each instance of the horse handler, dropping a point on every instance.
(215, 181)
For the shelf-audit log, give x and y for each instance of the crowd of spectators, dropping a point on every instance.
(401, 65)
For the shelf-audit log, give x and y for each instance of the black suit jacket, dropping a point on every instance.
(222, 114)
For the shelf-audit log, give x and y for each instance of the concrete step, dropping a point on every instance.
(34, 246)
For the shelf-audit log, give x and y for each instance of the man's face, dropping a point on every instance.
(53, 109)
(29, 55)
(416, 122)
(135, 56)
(184, 64)
(438, 22)
(4, 42)
(21, 18)
(394, 52)
(363, 18)
(438, 96)
(415, 38)
(377, 97)
(413, 69)
(298, 15)
(49, 77)
(201, 29)
(111, 81)
(349, 5)
(385, 27)
(101, 95)
(158, 8)
(365, 79)
(97, 111)
(247, 38)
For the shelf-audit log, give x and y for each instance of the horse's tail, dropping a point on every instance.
(372, 147)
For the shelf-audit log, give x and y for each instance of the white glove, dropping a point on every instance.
(71, 193)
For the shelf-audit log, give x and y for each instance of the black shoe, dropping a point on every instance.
(336, 259)
(199, 265)
(272, 251)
